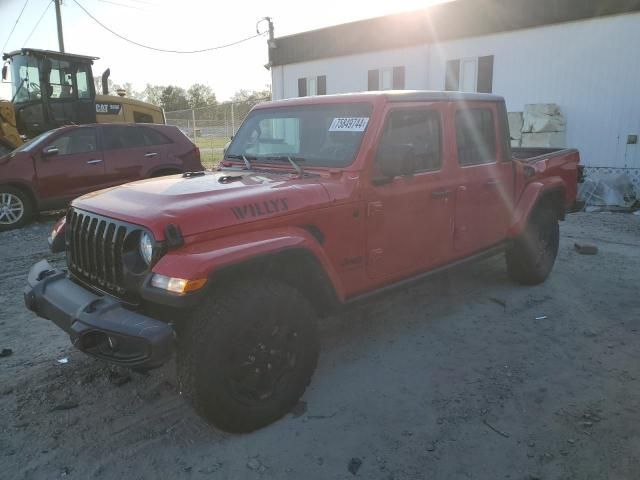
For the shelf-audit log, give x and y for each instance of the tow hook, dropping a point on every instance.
(44, 274)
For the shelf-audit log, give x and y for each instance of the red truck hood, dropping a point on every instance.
(204, 203)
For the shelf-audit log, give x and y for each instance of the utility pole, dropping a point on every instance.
(59, 21)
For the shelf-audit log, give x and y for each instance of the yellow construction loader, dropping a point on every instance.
(51, 89)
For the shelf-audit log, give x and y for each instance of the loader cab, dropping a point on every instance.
(49, 89)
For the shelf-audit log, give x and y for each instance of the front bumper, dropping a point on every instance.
(100, 326)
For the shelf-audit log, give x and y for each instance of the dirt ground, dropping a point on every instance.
(464, 376)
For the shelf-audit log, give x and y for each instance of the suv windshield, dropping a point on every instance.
(319, 135)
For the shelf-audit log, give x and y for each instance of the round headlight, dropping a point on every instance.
(146, 247)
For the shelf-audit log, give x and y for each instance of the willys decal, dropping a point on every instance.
(260, 209)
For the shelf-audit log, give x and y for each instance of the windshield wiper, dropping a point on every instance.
(294, 163)
(247, 162)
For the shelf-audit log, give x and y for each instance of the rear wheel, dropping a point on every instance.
(15, 208)
(248, 355)
(531, 257)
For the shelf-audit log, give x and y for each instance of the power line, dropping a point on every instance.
(122, 5)
(14, 25)
(219, 47)
(38, 23)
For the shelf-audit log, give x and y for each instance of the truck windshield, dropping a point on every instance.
(319, 135)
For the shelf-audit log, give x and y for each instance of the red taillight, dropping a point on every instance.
(197, 154)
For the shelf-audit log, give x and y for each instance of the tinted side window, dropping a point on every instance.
(475, 136)
(419, 129)
(153, 137)
(76, 141)
(123, 137)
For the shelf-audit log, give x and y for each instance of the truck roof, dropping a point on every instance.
(388, 96)
(49, 53)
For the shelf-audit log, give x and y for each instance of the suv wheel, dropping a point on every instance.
(248, 354)
(15, 208)
(531, 257)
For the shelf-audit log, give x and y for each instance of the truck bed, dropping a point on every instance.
(559, 162)
(532, 154)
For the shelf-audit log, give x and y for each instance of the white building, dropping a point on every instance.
(581, 55)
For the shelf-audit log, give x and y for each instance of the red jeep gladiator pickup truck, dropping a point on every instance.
(62, 164)
(319, 202)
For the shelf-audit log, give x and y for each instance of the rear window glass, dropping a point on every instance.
(475, 136)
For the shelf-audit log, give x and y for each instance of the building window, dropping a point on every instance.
(470, 75)
(309, 86)
(386, 79)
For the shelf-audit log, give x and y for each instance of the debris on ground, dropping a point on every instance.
(499, 432)
(585, 249)
(6, 352)
(119, 378)
(256, 465)
(499, 301)
(541, 317)
(63, 361)
(64, 406)
(354, 465)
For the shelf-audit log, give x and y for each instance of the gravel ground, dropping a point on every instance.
(464, 376)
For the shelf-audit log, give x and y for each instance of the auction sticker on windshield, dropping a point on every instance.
(349, 124)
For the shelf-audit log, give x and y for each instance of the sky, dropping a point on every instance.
(179, 25)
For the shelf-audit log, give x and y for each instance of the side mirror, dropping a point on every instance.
(50, 151)
(396, 160)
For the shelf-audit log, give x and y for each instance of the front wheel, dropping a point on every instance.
(531, 257)
(249, 353)
(15, 208)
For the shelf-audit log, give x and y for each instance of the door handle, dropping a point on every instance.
(151, 154)
(93, 162)
(440, 194)
(492, 183)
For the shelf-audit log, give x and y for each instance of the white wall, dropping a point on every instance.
(590, 68)
(350, 74)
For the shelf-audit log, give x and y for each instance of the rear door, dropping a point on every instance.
(410, 218)
(484, 194)
(76, 168)
(131, 151)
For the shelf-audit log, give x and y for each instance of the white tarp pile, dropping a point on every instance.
(610, 192)
(540, 125)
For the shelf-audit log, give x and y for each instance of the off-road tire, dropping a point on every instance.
(23, 200)
(531, 257)
(211, 338)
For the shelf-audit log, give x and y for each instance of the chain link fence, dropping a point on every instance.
(211, 128)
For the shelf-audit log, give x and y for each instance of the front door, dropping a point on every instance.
(484, 191)
(410, 218)
(73, 165)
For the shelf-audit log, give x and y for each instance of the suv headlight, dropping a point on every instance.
(146, 247)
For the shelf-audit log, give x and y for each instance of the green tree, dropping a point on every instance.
(200, 95)
(153, 94)
(251, 95)
(174, 98)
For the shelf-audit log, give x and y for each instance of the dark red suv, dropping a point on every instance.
(60, 165)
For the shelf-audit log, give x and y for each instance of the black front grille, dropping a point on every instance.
(95, 249)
